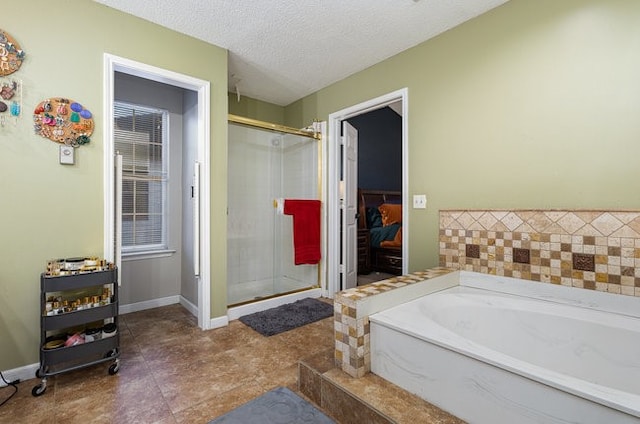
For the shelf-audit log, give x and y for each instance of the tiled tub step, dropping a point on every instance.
(369, 399)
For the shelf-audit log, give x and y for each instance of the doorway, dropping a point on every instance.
(339, 257)
(178, 271)
(379, 180)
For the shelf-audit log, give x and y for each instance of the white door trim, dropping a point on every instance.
(333, 195)
(349, 206)
(114, 64)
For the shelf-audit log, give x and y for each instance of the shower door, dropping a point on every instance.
(264, 166)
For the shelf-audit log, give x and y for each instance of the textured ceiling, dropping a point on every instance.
(283, 50)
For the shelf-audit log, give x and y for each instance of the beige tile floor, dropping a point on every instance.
(171, 372)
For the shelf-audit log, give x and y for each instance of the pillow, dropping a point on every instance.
(391, 213)
(374, 218)
(380, 235)
(396, 242)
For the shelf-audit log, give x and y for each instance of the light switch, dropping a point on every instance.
(420, 201)
(66, 154)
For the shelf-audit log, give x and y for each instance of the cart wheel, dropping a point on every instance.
(114, 368)
(40, 372)
(38, 390)
(112, 352)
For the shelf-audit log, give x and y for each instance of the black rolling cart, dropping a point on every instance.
(75, 334)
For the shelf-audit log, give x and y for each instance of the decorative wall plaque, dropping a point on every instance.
(63, 121)
(10, 99)
(11, 55)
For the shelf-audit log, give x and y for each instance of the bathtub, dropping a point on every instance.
(503, 350)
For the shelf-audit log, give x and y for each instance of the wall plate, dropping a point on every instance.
(419, 201)
(66, 155)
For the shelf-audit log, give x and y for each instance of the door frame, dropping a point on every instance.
(113, 64)
(334, 163)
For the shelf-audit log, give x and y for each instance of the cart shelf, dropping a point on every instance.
(64, 359)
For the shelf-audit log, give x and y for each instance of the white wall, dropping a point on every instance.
(148, 279)
(188, 287)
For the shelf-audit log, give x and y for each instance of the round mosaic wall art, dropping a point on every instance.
(63, 121)
(11, 55)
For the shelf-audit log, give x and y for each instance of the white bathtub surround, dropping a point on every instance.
(352, 309)
(504, 350)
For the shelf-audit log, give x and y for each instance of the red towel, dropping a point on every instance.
(306, 229)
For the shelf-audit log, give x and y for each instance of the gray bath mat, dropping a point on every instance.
(279, 405)
(287, 317)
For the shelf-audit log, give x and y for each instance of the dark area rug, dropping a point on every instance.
(279, 405)
(287, 317)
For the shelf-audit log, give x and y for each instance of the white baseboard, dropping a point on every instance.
(218, 322)
(22, 373)
(170, 300)
(193, 309)
(149, 304)
(261, 305)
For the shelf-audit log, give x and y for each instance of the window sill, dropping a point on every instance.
(153, 254)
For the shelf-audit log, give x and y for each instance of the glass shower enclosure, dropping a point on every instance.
(266, 163)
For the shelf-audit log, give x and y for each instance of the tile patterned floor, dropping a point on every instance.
(171, 372)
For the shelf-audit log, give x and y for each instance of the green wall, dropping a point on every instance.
(532, 105)
(256, 109)
(52, 211)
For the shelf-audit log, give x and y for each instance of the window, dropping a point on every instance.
(140, 136)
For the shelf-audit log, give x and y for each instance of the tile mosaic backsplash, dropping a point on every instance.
(598, 250)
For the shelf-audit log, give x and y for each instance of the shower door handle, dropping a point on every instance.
(196, 218)
(117, 224)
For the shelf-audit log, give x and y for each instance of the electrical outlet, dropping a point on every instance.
(419, 201)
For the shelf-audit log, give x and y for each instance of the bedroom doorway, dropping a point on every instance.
(342, 250)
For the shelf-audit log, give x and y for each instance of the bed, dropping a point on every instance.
(379, 231)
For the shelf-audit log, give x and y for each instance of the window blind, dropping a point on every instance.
(140, 137)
